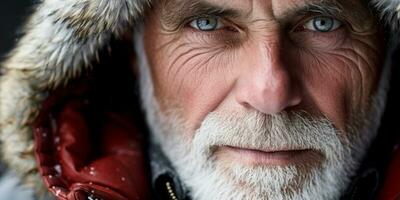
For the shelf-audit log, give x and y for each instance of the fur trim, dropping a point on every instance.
(63, 37)
(390, 12)
(10, 189)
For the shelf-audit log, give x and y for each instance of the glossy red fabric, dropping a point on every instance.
(76, 163)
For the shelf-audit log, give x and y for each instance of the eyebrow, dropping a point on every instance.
(324, 7)
(321, 7)
(175, 13)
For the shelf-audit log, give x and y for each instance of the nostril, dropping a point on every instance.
(246, 105)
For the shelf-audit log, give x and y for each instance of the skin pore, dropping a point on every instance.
(258, 96)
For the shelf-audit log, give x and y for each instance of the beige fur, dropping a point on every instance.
(390, 12)
(62, 38)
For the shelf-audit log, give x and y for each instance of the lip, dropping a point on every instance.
(252, 157)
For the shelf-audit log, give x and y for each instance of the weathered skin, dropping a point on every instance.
(265, 61)
(62, 39)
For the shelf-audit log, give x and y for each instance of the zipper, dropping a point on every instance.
(170, 190)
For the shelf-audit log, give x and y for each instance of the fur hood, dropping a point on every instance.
(63, 38)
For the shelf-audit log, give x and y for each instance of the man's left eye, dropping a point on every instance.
(209, 23)
(322, 24)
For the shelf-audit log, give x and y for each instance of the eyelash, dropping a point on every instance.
(300, 24)
(232, 27)
(228, 33)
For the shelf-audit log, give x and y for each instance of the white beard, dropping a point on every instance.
(208, 178)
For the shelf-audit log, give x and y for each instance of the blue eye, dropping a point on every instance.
(207, 23)
(322, 24)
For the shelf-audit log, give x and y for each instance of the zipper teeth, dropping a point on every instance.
(171, 192)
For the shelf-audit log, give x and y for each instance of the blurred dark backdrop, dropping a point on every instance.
(13, 14)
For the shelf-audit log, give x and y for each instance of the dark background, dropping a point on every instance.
(13, 14)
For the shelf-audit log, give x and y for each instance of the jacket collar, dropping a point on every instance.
(166, 184)
(366, 184)
(164, 179)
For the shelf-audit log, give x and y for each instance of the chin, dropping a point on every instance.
(238, 182)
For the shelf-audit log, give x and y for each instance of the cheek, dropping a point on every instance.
(190, 77)
(340, 81)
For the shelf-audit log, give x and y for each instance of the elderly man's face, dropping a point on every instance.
(263, 95)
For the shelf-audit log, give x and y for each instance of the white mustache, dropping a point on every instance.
(284, 131)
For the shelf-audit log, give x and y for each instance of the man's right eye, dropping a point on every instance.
(208, 23)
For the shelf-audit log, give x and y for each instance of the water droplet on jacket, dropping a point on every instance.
(57, 140)
(92, 171)
(58, 169)
(58, 191)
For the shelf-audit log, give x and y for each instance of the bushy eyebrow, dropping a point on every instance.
(175, 12)
(323, 7)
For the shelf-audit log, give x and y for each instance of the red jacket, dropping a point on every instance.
(55, 142)
(108, 175)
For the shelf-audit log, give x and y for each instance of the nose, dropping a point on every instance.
(267, 84)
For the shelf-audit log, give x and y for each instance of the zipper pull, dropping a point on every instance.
(165, 188)
(170, 191)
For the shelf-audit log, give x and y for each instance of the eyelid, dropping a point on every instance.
(190, 18)
(193, 17)
(227, 24)
(310, 24)
(299, 25)
(220, 24)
